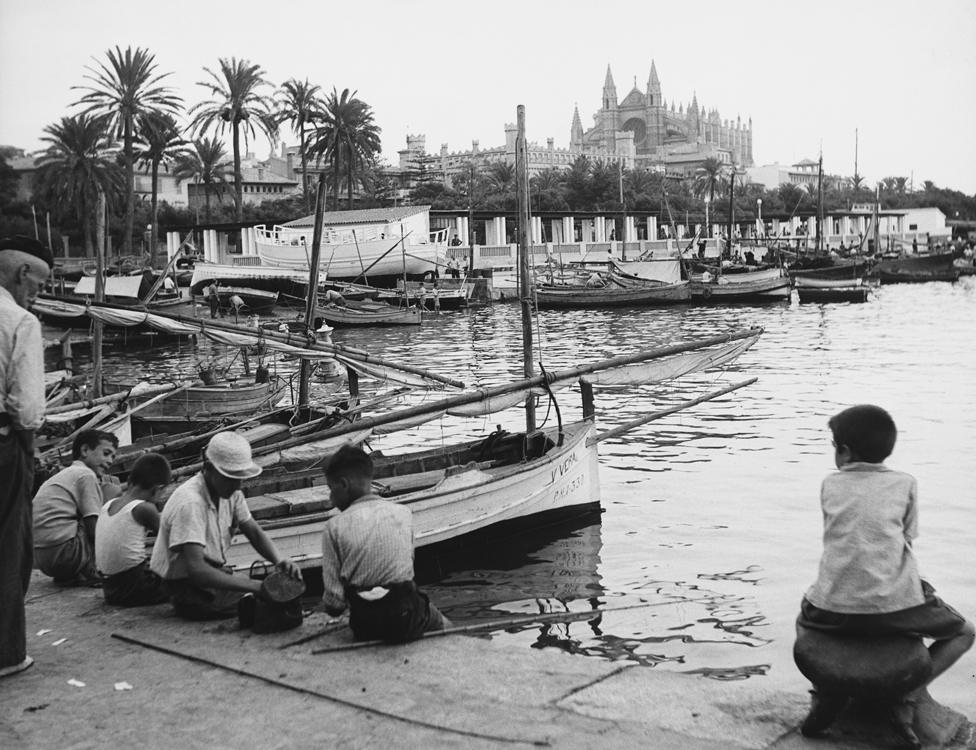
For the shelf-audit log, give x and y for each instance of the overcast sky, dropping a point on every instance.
(901, 72)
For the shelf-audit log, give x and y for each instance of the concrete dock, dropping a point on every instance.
(112, 677)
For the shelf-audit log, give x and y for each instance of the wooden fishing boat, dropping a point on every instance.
(831, 290)
(369, 313)
(205, 404)
(255, 300)
(827, 268)
(768, 285)
(574, 297)
(918, 269)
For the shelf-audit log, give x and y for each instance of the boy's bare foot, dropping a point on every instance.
(13, 669)
(824, 708)
(901, 714)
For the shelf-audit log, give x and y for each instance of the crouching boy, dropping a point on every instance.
(868, 583)
(66, 508)
(367, 558)
(120, 536)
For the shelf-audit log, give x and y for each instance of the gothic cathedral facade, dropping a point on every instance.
(646, 133)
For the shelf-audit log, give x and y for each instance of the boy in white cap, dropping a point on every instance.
(195, 531)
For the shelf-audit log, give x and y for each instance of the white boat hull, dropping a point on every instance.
(462, 503)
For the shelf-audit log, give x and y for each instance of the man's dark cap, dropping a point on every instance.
(27, 245)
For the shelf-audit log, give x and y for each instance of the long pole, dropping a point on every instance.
(403, 258)
(313, 287)
(522, 185)
(819, 229)
(99, 294)
(471, 220)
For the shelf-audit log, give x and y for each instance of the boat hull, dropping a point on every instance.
(370, 314)
(918, 269)
(761, 286)
(832, 294)
(469, 501)
(579, 297)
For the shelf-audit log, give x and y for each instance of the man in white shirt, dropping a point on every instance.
(25, 265)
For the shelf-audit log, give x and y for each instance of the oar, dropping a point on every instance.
(628, 426)
(120, 396)
(500, 624)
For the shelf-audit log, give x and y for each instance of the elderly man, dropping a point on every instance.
(25, 265)
(195, 531)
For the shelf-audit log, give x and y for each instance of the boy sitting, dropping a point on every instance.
(120, 536)
(868, 584)
(66, 508)
(367, 558)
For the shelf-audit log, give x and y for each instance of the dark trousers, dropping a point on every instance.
(16, 543)
(135, 587)
(404, 614)
(214, 306)
(194, 603)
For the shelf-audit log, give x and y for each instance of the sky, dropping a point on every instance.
(899, 73)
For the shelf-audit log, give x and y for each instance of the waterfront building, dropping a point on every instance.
(771, 176)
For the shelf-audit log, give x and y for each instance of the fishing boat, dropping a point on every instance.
(357, 244)
(830, 268)
(205, 404)
(632, 293)
(831, 290)
(282, 280)
(255, 300)
(369, 313)
(766, 285)
(918, 269)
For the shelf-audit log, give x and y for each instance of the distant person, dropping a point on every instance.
(66, 509)
(422, 295)
(436, 294)
(213, 298)
(594, 280)
(195, 531)
(455, 241)
(367, 557)
(868, 583)
(332, 297)
(453, 269)
(168, 284)
(120, 536)
(915, 245)
(25, 265)
(236, 303)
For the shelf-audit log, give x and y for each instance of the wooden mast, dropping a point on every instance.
(525, 289)
(819, 221)
(313, 287)
(99, 295)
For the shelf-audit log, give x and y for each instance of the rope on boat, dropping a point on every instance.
(325, 696)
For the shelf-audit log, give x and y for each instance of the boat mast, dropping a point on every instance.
(819, 220)
(522, 193)
(313, 288)
(877, 218)
(99, 294)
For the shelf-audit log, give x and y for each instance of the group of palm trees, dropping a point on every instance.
(128, 116)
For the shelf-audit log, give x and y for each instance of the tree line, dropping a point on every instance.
(127, 116)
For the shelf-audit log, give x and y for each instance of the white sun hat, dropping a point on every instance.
(230, 454)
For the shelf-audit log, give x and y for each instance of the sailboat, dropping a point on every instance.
(842, 282)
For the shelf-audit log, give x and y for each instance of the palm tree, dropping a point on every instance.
(124, 90)
(162, 141)
(347, 139)
(78, 164)
(709, 178)
(205, 164)
(578, 183)
(239, 104)
(300, 103)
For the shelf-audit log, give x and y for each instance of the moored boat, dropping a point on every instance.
(918, 269)
(254, 299)
(573, 297)
(831, 290)
(767, 285)
(369, 313)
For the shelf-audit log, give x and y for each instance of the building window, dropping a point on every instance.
(913, 227)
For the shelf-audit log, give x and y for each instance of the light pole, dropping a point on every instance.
(762, 226)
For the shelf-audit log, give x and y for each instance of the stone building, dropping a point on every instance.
(645, 130)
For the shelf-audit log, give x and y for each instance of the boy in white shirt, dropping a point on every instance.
(120, 536)
(868, 583)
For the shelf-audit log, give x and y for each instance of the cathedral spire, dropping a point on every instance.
(609, 91)
(576, 131)
(654, 85)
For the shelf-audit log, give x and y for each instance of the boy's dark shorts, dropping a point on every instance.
(933, 619)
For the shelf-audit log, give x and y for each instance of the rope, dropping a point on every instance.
(326, 696)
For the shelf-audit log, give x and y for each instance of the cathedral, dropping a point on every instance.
(647, 133)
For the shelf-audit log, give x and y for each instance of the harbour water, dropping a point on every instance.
(712, 512)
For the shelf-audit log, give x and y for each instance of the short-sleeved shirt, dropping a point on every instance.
(191, 517)
(21, 364)
(870, 518)
(368, 544)
(62, 502)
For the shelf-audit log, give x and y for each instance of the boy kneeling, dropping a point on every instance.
(367, 558)
(869, 584)
(120, 536)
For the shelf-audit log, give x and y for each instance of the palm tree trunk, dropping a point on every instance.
(238, 178)
(154, 231)
(206, 202)
(130, 188)
(301, 146)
